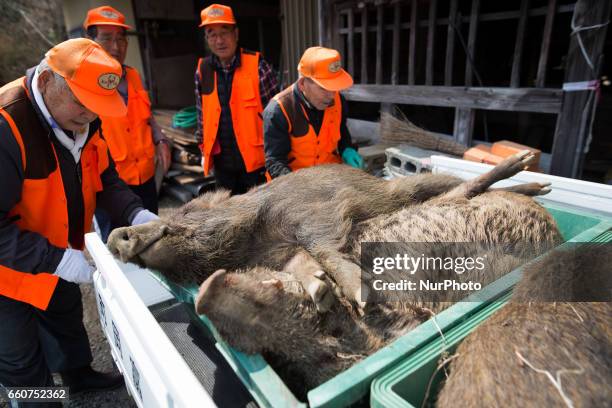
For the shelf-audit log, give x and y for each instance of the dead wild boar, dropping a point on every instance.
(551, 345)
(256, 315)
(505, 228)
(260, 311)
(314, 209)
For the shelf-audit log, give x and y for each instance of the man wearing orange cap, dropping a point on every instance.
(232, 87)
(55, 170)
(305, 125)
(135, 140)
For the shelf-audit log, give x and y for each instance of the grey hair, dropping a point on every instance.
(44, 66)
(300, 76)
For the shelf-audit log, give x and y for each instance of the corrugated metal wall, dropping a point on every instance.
(300, 23)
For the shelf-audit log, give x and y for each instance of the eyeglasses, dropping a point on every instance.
(222, 35)
(120, 41)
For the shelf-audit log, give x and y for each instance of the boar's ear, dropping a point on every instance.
(208, 289)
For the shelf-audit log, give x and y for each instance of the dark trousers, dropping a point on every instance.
(238, 181)
(35, 343)
(147, 193)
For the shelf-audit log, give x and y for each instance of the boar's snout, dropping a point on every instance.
(129, 242)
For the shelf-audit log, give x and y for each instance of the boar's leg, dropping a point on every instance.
(345, 273)
(128, 242)
(528, 189)
(507, 168)
(310, 274)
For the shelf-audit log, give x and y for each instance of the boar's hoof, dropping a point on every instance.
(531, 189)
(514, 164)
(361, 296)
(321, 292)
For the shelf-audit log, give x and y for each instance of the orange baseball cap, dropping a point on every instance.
(91, 74)
(217, 14)
(323, 65)
(105, 15)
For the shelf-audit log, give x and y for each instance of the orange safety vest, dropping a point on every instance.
(246, 107)
(43, 208)
(307, 147)
(130, 138)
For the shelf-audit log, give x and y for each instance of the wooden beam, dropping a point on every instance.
(379, 41)
(548, 26)
(431, 32)
(364, 45)
(450, 44)
(507, 99)
(350, 42)
(397, 13)
(463, 128)
(575, 118)
(515, 77)
(472, 42)
(412, 44)
(500, 16)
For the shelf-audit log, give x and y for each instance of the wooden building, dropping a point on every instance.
(514, 70)
(475, 69)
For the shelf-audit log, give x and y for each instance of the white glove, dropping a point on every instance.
(143, 217)
(74, 267)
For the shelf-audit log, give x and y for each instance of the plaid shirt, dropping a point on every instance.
(268, 84)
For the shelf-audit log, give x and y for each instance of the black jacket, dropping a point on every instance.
(277, 143)
(28, 251)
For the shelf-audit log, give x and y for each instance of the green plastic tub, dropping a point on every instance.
(410, 382)
(353, 385)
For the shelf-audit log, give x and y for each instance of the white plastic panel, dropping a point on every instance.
(155, 373)
(578, 193)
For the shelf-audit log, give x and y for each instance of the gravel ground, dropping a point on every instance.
(103, 361)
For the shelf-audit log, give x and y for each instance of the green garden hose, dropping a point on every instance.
(185, 118)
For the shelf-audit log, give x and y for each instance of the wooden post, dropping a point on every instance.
(464, 125)
(325, 37)
(350, 36)
(574, 120)
(340, 44)
(397, 11)
(414, 26)
(515, 77)
(430, 43)
(364, 44)
(379, 41)
(548, 26)
(450, 44)
(472, 42)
